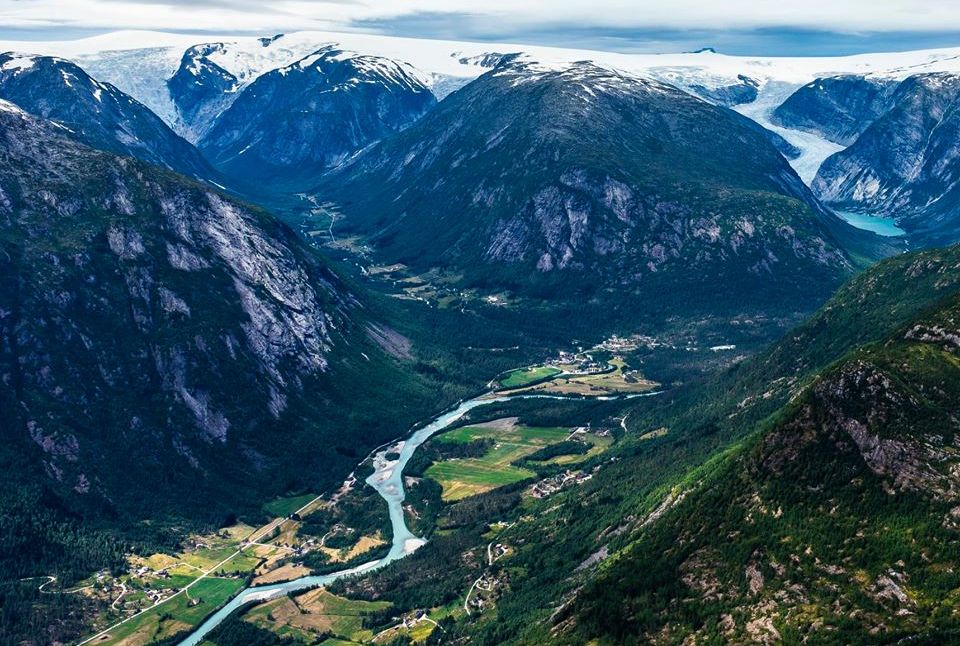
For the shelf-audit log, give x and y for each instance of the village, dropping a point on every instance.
(549, 486)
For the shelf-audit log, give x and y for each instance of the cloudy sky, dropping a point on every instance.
(732, 26)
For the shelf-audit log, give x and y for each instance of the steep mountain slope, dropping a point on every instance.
(558, 181)
(837, 523)
(158, 337)
(715, 491)
(905, 165)
(98, 114)
(837, 108)
(297, 121)
(201, 89)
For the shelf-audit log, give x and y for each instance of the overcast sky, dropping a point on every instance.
(732, 26)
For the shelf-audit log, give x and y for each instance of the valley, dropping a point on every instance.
(168, 596)
(344, 339)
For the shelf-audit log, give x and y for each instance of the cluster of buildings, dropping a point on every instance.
(487, 590)
(553, 484)
(144, 572)
(497, 551)
(580, 361)
(630, 343)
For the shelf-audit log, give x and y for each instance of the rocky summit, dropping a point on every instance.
(298, 121)
(533, 177)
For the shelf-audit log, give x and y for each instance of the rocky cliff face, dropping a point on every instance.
(837, 108)
(583, 176)
(156, 335)
(201, 89)
(905, 164)
(744, 91)
(98, 114)
(297, 121)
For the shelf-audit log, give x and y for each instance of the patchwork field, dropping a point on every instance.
(170, 581)
(461, 478)
(316, 613)
(176, 615)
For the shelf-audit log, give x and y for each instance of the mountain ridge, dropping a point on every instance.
(578, 191)
(297, 121)
(97, 113)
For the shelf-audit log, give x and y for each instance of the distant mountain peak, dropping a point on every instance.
(305, 117)
(356, 66)
(97, 114)
(488, 60)
(266, 42)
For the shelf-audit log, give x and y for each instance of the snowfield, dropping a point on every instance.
(140, 62)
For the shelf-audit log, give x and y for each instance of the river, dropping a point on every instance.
(387, 479)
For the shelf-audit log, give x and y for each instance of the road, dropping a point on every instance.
(390, 487)
(466, 600)
(250, 539)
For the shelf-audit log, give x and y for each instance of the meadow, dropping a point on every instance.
(461, 478)
(527, 376)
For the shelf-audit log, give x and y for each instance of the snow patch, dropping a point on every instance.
(18, 64)
(6, 106)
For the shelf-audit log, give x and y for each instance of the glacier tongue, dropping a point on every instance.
(814, 149)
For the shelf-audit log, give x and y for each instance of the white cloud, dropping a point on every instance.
(247, 15)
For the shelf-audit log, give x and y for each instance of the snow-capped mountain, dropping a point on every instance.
(192, 82)
(95, 113)
(299, 120)
(570, 181)
(142, 63)
(201, 90)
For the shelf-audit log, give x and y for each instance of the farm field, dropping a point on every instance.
(461, 478)
(315, 613)
(175, 615)
(525, 376)
(598, 444)
(283, 507)
(620, 380)
(362, 546)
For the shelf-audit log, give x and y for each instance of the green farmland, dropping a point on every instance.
(461, 478)
(526, 376)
